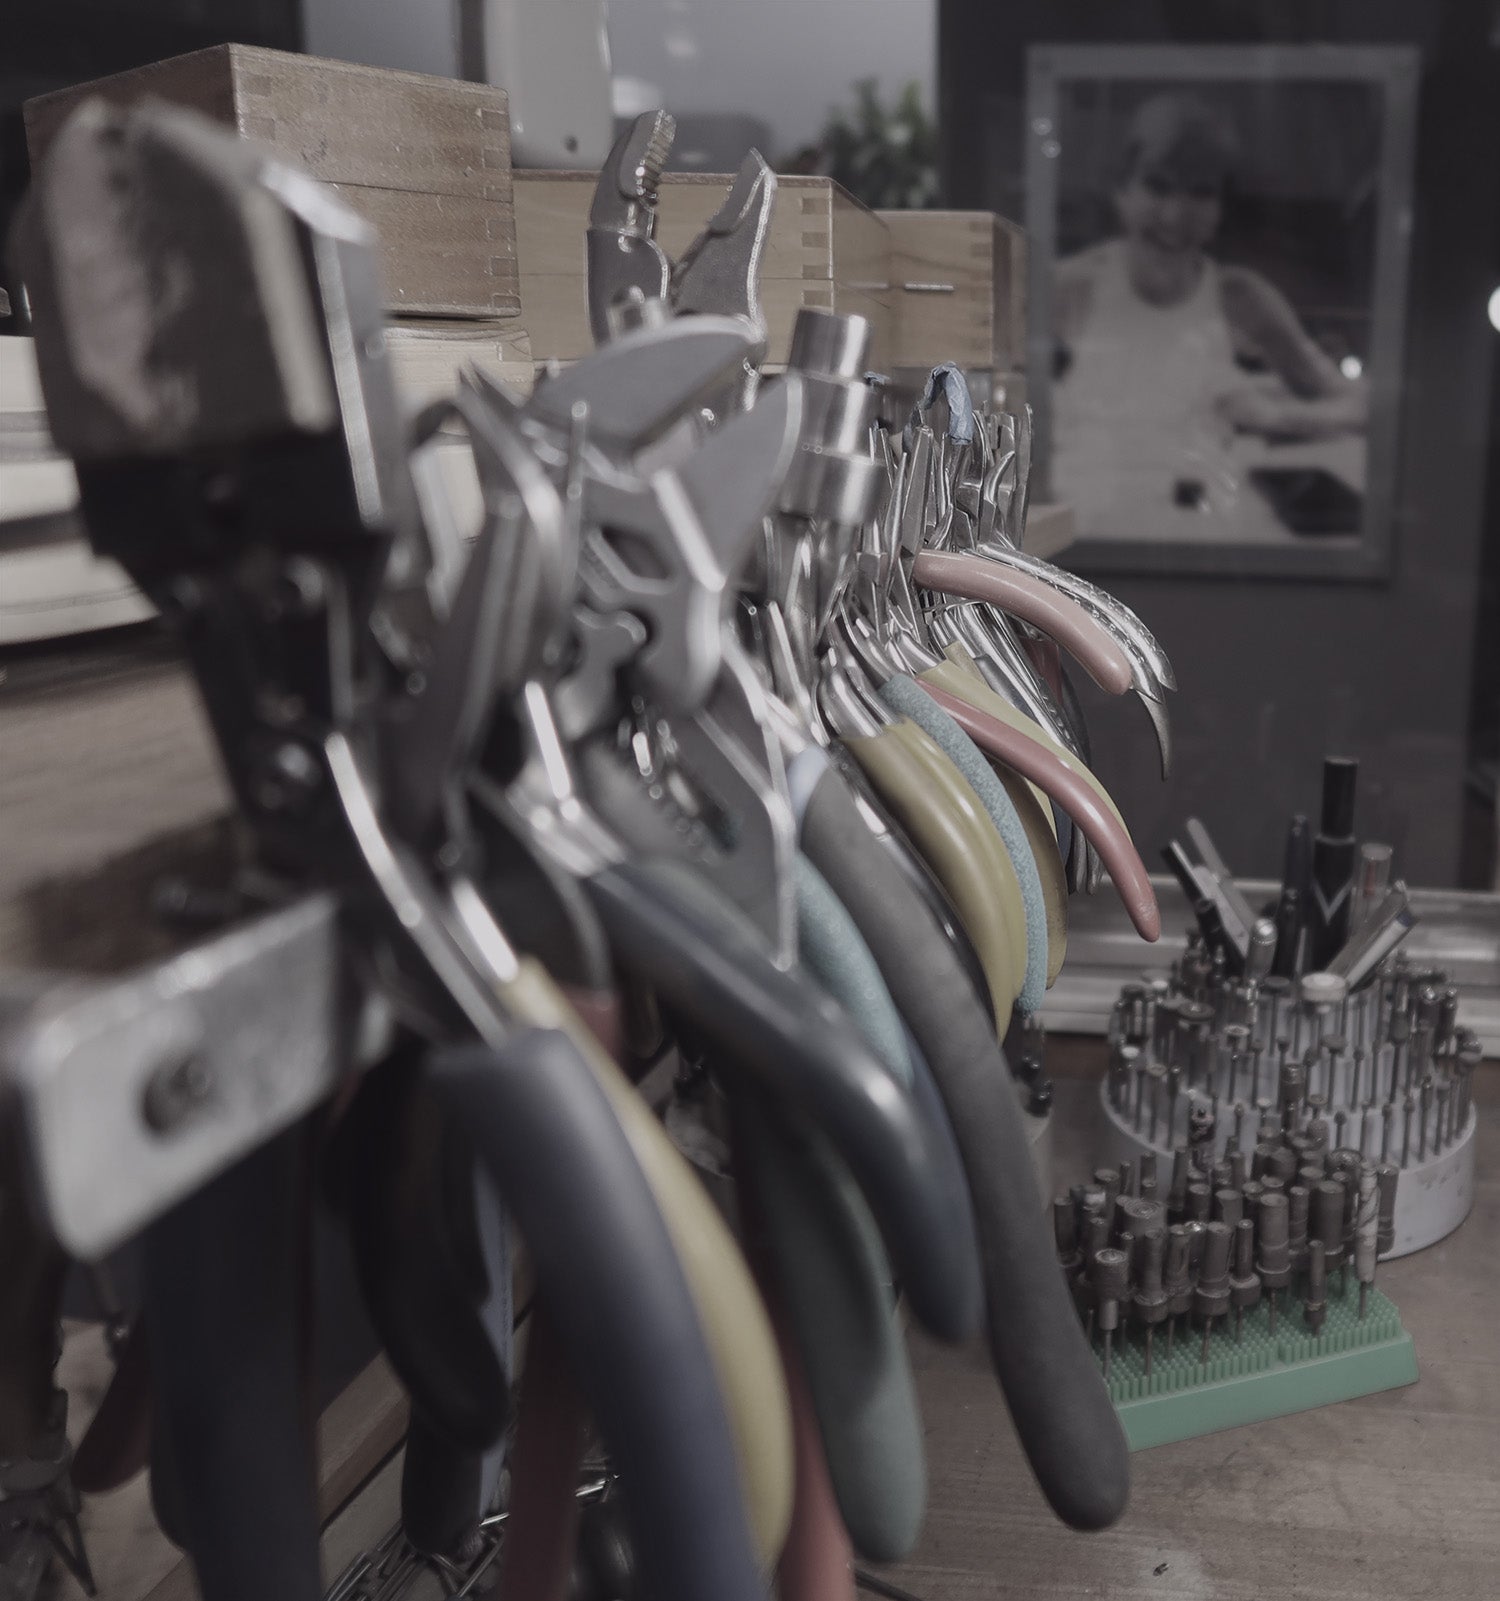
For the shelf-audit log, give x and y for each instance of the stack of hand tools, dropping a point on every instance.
(741, 725)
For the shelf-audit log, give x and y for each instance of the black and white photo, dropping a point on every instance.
(1216, 316)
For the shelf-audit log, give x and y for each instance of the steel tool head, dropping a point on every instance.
(622, 250)
(642, 384)
(719, 272)
(192, 293)
(666, 548)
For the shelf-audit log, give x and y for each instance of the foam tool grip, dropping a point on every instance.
(1040, 1356)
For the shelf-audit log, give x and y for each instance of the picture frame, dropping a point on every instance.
(1219, 243)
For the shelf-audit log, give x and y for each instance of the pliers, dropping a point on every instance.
(623, 255)
(719, 272)
(193, 499)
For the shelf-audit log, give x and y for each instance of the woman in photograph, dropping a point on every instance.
(1165, 355)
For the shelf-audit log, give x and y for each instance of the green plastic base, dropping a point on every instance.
(1264, 1375)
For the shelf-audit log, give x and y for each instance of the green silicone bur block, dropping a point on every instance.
(1265, 1375)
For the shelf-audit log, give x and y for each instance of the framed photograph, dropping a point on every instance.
(1219, 245)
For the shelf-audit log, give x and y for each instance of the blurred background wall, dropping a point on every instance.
(1404, 672)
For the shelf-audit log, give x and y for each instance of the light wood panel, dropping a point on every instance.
(424, 159)
(958, 289)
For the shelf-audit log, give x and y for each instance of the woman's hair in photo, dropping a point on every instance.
(1183, 135)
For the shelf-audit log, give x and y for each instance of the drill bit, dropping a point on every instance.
(1095, 1239)
(1470, 1054)
(1400, 1052)
(1244, 1282)
(1199, 1202)
(1386, 1176)
(1229, 1206)
(1179, 1284)
(1337, 1046)
(1283, 1165)
(1408, 1111)
(1273, 1261)
(1139, 1217)
(1321, 995)
(1447, 1023)
(1149, 1302)
(1111, 1273)
(1387, 1117)
(1425, 1093)
(1327, 1221)
(1275, 990)
(1298, 1200)
(1146, 1181)
(1366, 1234)
(1424, 1029)
(1202, 1117)
(1239, 1169)
(1197, 1020)
(1236, 1046)
(1211, 1297)
(1177, 1194)
(1317, 1287)
(1291, 1086)
(1127, 1178)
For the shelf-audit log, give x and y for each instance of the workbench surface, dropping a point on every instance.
(1385, 1498)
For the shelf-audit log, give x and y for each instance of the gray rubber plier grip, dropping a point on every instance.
(1052, 1386)
(617, 1294)
(710, 966)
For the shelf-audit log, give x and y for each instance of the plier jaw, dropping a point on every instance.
(623, 254)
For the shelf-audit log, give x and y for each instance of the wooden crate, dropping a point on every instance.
(823, 249)
(958, 289)
(425, 160)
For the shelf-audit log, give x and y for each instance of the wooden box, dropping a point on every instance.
(823, 249)
(958, 289)
(425, 160)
